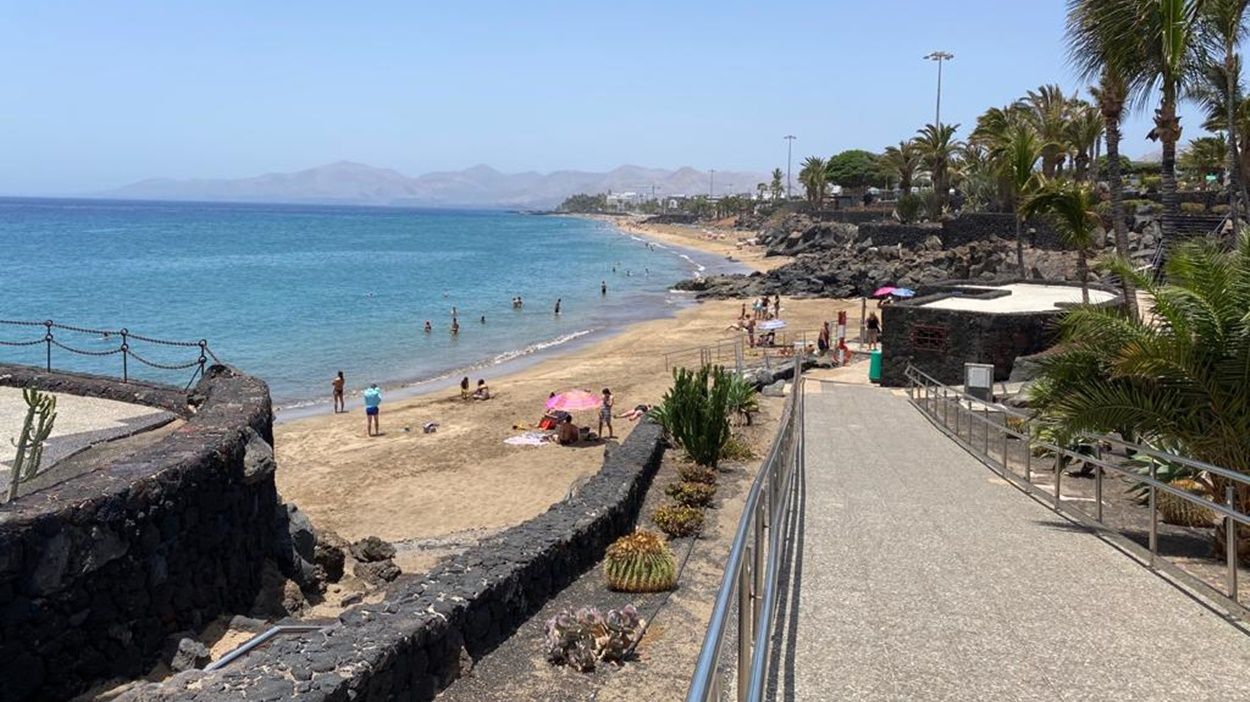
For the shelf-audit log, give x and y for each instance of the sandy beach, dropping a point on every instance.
(720, 240)
(463, 479)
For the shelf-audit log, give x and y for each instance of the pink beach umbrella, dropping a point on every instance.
(572, 400)
(883, 291)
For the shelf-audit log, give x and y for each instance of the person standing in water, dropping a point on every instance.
(428, 328)
(455, 326)
(373, 403)
(558, 301)
(337, 385)
(483, 319)
(603, 288)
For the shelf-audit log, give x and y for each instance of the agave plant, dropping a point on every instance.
(640, 562)
(742, 398)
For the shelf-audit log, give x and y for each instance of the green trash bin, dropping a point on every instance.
(874, 366)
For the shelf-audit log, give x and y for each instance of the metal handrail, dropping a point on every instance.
(752, 568)
(935, 391)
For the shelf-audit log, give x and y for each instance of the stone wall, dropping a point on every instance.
(908, 333)
(965, 229)
(428, 630)
(98, 571)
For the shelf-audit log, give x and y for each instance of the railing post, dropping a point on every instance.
(1058, 473)
(203, 355)
(1028, 452)
(986, 416)
(1154, 512)
(1230, 541)
(1006, 435)
(760, 539)
(47, 342)
(745, 625)
(1098, 489)
(959, 406)
(125, 356)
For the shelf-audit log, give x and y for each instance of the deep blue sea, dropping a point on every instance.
(294, 293)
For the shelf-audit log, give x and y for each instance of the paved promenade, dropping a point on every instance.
(923, 576)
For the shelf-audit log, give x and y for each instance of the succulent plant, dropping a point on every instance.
(640, 562)
(580, 640)
(678, 520)
(691, 494)
(697, 474)
(40, 416)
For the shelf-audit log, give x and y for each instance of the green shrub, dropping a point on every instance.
(697, 474)
(1131, 206)
(1220, 209)
(908, 208)
(1193, 208)
(678, 520)
(691, 494)
(695, 412)
(1151, 182)
(640, 562)
(737, 450)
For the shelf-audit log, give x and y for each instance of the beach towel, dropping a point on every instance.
(529, 438)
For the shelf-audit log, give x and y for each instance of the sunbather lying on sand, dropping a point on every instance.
(638, 412)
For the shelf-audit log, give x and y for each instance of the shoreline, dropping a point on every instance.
(525, 357)
(730, 244)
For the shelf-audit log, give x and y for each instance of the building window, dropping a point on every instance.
(926, 337)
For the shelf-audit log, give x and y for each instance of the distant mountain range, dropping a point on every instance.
(346, 182)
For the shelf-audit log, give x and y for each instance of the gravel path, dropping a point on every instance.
(922, 575)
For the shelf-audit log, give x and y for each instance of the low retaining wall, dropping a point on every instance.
(97, 571)
(428, 630)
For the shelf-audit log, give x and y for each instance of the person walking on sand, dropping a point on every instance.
(874, 330)
(337, 385)
(605, 414)
(373, 404)
(558, 301)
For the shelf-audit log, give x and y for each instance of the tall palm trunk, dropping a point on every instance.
(1082, 270)
(1112, 109)
(1230, 108)
(1020, 242)
(1168, 128)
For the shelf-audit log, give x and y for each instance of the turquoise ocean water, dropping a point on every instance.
(294, 293)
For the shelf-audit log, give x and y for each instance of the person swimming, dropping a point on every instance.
(428, 327)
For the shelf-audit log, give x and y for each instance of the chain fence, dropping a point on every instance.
(20, 339)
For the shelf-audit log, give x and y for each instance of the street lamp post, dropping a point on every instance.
(939, 56)
(711, 182)
(789, 148)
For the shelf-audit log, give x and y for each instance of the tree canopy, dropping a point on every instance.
(855, 168)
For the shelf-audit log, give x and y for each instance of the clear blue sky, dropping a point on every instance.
(99, 94)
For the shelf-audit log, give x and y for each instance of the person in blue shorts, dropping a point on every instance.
(373, 402)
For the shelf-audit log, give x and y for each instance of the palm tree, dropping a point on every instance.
(1170, 30)
(1179, 380)
(1085, 129)
(937, 145)
(1047, 109)
(903, 159)
(812, 176)
(1017, 156)
(1225, 20)
(1204, 156)
(1070, 207)
(1098, 48)
(777, 187)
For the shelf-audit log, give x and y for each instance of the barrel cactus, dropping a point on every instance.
(1182, 512)
(640, 562)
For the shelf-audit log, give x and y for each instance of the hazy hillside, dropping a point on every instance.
(357, 183)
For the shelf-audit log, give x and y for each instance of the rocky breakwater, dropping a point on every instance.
(857, 267)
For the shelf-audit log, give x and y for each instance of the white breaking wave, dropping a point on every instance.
(540, 346)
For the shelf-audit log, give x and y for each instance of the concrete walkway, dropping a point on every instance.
(923, 576)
